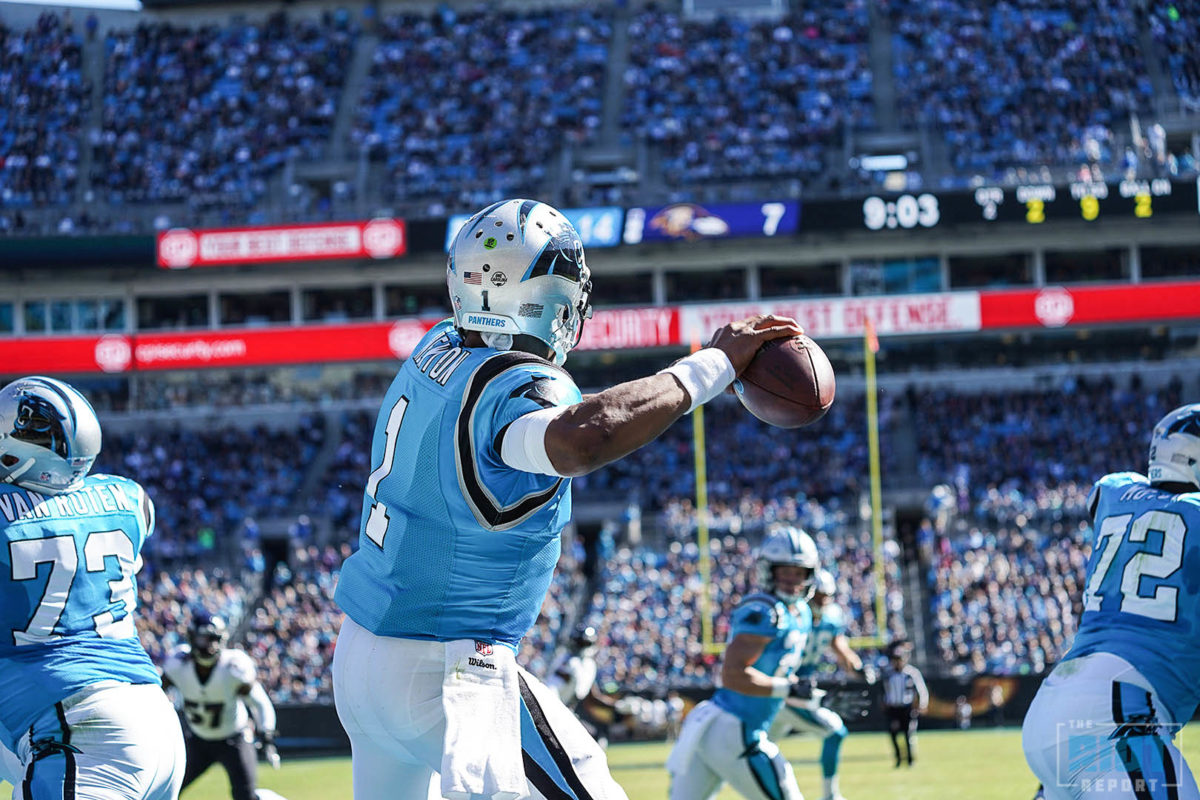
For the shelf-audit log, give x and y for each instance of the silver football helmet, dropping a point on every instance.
(1175, 447)
(517, 267)
(787, 545)
(49, 435)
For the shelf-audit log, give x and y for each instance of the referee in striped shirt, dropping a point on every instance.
(904, 698)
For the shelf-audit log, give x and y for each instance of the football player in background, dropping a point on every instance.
(79, 697)
(216, 685)
(725, 739)
(1103, 722)
(474, 450)
(809, 716)
(573, 673)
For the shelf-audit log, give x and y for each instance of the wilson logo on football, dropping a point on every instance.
(483, 648)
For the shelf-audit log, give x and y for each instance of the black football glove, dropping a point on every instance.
(803, 689)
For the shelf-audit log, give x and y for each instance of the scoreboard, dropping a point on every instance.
(693, 221)
(1031, 204)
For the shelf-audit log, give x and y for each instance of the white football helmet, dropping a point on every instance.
(49, 435)
(790, 546)
(1175, 447)
(517, 267)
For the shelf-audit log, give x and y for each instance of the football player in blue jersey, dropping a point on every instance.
(474, 450)
(809, 716)
(725, 739)
(79, 696)
(1104, 721)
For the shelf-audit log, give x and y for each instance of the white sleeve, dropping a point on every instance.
(261, 708)
(524, 443)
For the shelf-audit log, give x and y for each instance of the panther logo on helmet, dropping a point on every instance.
(1175, 447)
(546, 285)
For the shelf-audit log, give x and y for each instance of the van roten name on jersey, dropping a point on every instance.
(87, 501)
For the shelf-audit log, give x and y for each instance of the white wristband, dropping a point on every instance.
(780, 687)
(524, 445)
(704, 374)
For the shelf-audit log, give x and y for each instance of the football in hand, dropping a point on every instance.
(789, 383)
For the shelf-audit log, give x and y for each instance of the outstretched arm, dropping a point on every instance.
(604, 427)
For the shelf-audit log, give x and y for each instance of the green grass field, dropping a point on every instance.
(981, 765)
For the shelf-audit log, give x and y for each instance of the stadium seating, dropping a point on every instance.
(730, 99)
(205, 485)
(242, 99)
(1023, 84)
(1027, 91)
(470, 131)
(44, 100)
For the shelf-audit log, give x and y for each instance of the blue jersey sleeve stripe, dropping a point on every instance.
(487, 512)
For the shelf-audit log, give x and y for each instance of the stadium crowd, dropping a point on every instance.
(1007, 600)
(721, 101)
(734, 98)
(44, 100)
(243, 98)
(1023, 83)
(206, 484)
(472, 131)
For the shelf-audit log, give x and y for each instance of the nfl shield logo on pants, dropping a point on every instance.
(483, 648)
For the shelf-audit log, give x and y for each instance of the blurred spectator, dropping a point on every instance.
(1022, 86)
(242, 100)
(731, 99)
(471, 131)
(44, 101)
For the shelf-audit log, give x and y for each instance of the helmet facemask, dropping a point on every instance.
(787, 546)
(49, 435)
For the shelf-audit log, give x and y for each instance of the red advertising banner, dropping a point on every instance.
(629, 328)
(613, 329)
(1056, 306)
(181, 248)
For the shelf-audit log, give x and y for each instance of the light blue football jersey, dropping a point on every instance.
(789, 628)
(455, 544)
(831, 625)
(68, 593)
(1141, 599)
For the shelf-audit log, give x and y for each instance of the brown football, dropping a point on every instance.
(789, 383)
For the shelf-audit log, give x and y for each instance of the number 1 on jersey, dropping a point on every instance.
(377, 521)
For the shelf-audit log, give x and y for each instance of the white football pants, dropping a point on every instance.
(1095, 732)
(388, 694)
(111, 741)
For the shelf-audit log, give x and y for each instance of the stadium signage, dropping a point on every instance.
(615, 329)
(847, 316)
(182, 248)
(689, 222)
(1086, 202)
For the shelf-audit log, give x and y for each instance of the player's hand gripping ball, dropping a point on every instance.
(789, 383)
